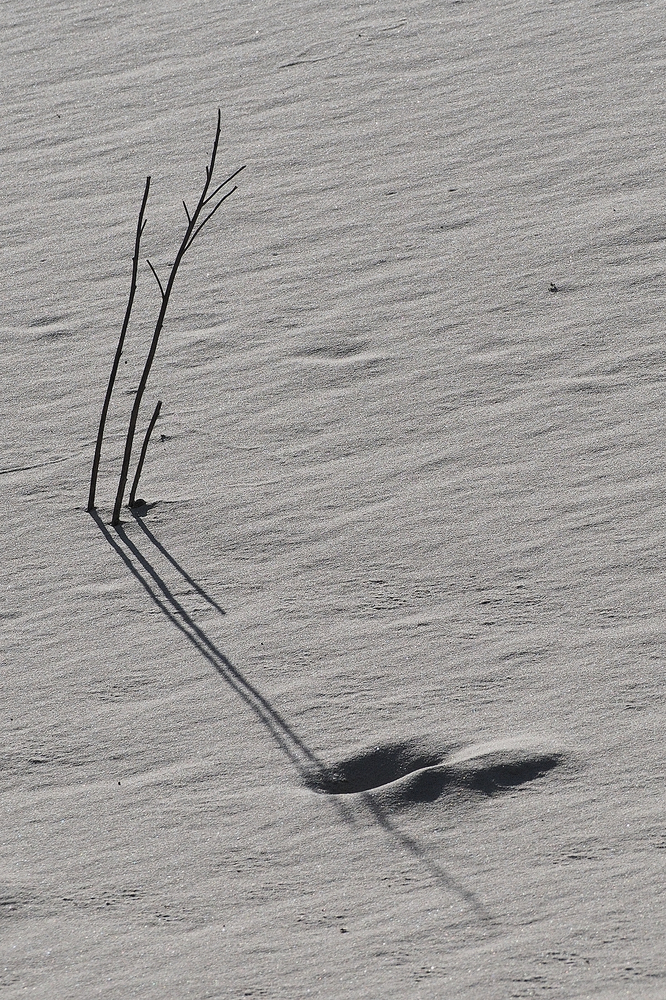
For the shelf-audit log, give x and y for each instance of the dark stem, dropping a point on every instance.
(142, 456)
(220, 186)
(156, 277)
(184, 247)
(140, 226)
(209, 217)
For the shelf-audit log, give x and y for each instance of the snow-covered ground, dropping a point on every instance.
(368, 702)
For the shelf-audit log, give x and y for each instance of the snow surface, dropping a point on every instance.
(368, 701)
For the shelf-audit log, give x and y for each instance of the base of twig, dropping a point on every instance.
(137, 503)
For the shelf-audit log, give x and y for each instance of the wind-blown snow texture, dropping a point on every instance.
(368, 701)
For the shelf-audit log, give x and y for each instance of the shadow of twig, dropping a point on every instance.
(304, 760)
(185, 575)
(413, 846)
(300, 755)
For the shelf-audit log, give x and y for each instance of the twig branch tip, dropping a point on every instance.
(156, 277)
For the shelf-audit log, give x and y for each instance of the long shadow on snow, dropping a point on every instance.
(305, 761)
(288, 741)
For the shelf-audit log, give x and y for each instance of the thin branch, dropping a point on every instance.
(210, 216)
(140, 226)
(186, 212)
(220, 186)
(213, 156)
(192, 227)
(153, 420)
(156, 277)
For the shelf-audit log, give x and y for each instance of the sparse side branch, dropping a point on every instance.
(140, 226)
(156, 277)
(142, 456)
(220, 186)
(208, 217)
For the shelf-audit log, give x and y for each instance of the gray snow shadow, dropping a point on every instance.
(374, 767)
(398, 775)
(176, 565)
(139, 565)
(413, 769)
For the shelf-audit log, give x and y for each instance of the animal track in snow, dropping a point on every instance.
(411, 772)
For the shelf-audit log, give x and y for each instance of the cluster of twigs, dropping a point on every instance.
(196, 221)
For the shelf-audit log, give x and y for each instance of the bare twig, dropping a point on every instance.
(153, 420)
(193, 228)
(208, 217)
(140, 226)
(220, 186)
(156, 277)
